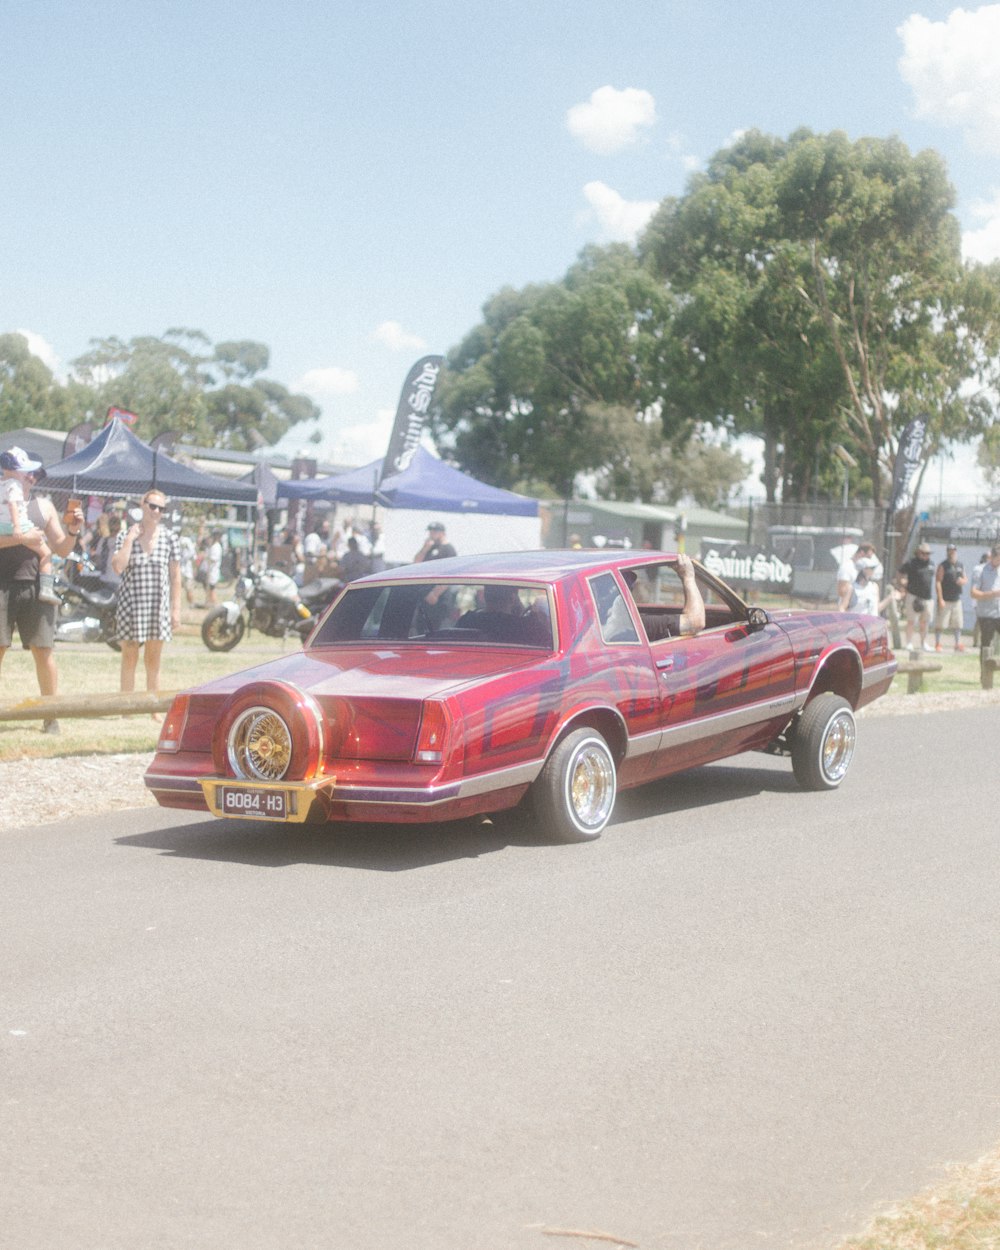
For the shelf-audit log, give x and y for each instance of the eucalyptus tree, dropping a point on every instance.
(824, 301)
(29, 393)
(180, 382)
(557, 378)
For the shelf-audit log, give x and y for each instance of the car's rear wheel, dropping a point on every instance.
(823, 743)
(575, 791)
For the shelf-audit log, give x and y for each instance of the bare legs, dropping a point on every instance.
(151, 658)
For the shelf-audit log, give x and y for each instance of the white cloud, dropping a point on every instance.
(324, 384)
(611, 119)
(676, 145)
(358, 444)
(953, 68)
(620, 220)
(45, 352)
(393, 336)
(984, 243)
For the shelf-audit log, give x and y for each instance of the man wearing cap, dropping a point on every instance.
(985, 591)
(919, 582)
(19, 604)
(436, 545)
(864, 569)
(439, 602)
(948, 582)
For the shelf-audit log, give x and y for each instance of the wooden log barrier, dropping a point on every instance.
(915, 670)
(54, 706)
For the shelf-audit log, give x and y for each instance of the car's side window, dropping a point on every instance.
(612, 613)
(659, 595)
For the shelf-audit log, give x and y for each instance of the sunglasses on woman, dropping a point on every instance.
(155, 507)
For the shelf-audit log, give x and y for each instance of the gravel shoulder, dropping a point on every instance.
(37, 792)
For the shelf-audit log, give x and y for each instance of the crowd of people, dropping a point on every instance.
(927, 594)
(153, 567)
(345, 552)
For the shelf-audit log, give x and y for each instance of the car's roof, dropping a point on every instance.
(547, 566)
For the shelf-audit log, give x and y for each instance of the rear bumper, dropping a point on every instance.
(323, 798)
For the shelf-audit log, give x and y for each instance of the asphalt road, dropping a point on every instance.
(745, 1017)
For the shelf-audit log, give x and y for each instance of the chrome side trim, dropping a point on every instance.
(643, 744)
(168, 782)
(482, 783)
(878, 672)
(734, 718)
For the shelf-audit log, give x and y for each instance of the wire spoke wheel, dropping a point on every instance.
(823, 743)
(576, 791)
(260, 745)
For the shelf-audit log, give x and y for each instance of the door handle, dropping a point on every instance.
(665, 663)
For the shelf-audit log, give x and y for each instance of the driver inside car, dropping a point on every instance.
(503, 618)
(692, 617)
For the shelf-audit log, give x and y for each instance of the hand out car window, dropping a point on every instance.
(659, 593)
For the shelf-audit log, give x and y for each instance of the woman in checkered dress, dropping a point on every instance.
(147, 558)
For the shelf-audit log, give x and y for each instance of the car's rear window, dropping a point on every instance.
(463, 614)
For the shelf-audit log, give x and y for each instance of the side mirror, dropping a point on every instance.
(757, 618)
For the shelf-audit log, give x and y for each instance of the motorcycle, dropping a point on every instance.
(87, 603)
(269, 602)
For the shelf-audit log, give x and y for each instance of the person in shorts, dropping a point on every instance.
(919, 574)
(20, 608)
(949, 580)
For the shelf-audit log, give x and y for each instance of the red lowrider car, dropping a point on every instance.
(472, 685)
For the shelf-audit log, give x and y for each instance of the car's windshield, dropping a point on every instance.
(463, 613)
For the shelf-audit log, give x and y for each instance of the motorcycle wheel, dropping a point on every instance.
(216, 632)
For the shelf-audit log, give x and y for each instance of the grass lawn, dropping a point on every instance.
(958, 672)
(93, 668)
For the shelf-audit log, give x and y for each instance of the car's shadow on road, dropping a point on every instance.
(379, 848)
(401, 848)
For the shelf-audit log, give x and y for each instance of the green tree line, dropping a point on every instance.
(809, 291)
(212, 395)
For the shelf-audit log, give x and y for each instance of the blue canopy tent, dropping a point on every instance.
(264, 479)
(427, 483)
(119, 463)
(355, 486)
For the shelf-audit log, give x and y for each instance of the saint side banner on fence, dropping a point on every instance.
(411, 415)
(911, 444)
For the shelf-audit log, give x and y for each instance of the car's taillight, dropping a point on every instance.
(431, 741)
(173, 726)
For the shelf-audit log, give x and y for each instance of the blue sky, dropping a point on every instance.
(350, 183)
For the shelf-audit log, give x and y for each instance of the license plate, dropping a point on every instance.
(260, 804)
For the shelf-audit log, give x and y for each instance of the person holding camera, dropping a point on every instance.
(918, 572)
(147, 558)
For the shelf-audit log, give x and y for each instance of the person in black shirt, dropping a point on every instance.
(949, 580)
(919, 574)
(436, 545)
(439, 603)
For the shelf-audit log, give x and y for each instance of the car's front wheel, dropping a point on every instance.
(575, 791)
(823, 743)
